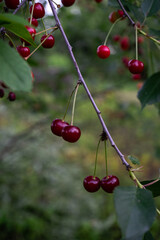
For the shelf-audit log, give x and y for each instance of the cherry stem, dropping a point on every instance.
(110, 30)
(69, 100)
(105, 149)
(95, 166)
(58, 5)
(46, 30)
(151, 183)
(136, 42)
(74, 102)
(32, 12)
(44, 25)
(146, 35)
(10, 40)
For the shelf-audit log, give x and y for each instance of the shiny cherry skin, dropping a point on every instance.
(103, 51)
(38, 11)
(23, 51)
(49, 42)
(91, 184)
(1, 93)
(12, 96)
(32, 32)
(12, 4)
(135, 66)
(125, 43)
(67, 3)
(57, 126)
(71, 133)
(109, 183)
(34, 22)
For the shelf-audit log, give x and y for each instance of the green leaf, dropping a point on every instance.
(134, 160)
(154, 32)
(16, 25)
(154, 188)
(150, 7)
(135, 211)
(150, 92)
(15, 72)
(148, 236)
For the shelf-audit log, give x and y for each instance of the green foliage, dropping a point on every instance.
(134, 160)
(135, 211)
(154, 188)
(150, 7)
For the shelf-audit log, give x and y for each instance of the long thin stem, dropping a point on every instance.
(10, 40)
(105, 149)
(46, 30)
(95, 166)
(32, 12)
(136, 35)
(105, 129)
(74, 102)
(44, 26)
(110, 30)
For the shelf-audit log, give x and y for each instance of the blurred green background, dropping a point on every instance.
(41, 176)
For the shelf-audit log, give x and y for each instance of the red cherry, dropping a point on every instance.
(125, 43)
(38, 11)
(136, 76)
(34, 22)
(140, 39)
(57, 126)
(98, 1)
(71, 133)
(116, 38)
(109, 183)
(12, 96)
(12, 4)
(103, 51)
(121, 13)
(32, 32)
(67, 3)
(113, 17)
(23, 51)
(91, 184)
(49, 42)
(135, 66)
(1, 93)
(125, 60)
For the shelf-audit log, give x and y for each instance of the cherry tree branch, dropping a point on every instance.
(105, 129)
(126, 13)
(19, 6)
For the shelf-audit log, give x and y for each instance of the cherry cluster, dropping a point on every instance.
(11, 95)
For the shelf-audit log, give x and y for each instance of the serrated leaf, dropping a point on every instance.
(135, 210)
(150, 92)
(148, 236)
(134, 160)
(16, 25)
(150, 7)
(15, 72)
(154, 188)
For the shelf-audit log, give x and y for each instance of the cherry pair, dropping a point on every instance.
(68, 132)
(11, 95)
(116, 15)
(93, 184)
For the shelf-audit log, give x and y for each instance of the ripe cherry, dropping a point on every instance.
(38, 11)
(121, 13)
(103, 51)
(125, 60)
(1, 93)
(135, 66)
(34, 22)
(12, 96)
(67, 3)
(57, 126)
(98, 1)
(140, 39)
(116, 38)
(3, 85)
(91, 184)
(109, 183)
(49, 42)
(125, 43)
(23, 51)
(136, 76)
(71, 133)
(32, 32)
(113, 16)
(12, 4)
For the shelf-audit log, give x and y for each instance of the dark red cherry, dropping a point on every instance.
(38, 11)
(116, 38)
(113, 17)
(49, 42)
(135, 66)
(34, 22)
(3, 85)
(136, 76)
(12, 4)
(103, 51)
(125, 44)
(12, 96)
(109, 183)
(91, 183)
(98, 1)
(67, 3)
(32, 32)
(1, 93)
(71, 133)
(121, 13)
(23, 51)
(57, 126)
(1, 0)
(125, 60)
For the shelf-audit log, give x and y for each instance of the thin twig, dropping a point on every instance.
(126, 13)
(85, 86)
(19, 6)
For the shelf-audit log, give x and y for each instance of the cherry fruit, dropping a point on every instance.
(1, 93)
(103, 51)
(49, 42)
(23, 51)
(125, 60)
(109, 183)
(38, 11)
(136, 76)
(113, 16)
(135, 66)
(32, 32)
(12, 96)
(71, 133)
(98, 1)
(57, 126)
(67, 3)
(125, 43)
(116, 38)
(12, 4)
(34, 22)
(91, 184)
